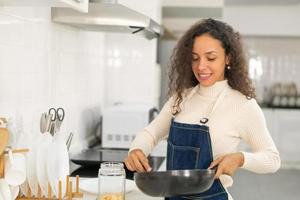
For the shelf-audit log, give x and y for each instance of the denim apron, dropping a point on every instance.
(189, 147)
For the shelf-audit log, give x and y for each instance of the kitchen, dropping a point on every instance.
(48, 64)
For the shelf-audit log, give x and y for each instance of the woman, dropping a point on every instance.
(212, 107)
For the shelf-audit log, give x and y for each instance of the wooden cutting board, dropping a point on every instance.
(3, 142)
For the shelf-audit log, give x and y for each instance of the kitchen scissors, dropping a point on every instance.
(57, 117)
(57, 114)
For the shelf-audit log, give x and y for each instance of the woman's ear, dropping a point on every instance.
(227, 60)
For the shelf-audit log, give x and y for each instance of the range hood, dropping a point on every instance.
(108, 16)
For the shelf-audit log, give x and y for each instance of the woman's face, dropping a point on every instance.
(209, 60)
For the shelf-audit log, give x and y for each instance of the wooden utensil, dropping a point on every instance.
(3, 139)
(3, 142)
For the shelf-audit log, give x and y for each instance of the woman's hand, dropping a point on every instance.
(227, 164)
(137, 161)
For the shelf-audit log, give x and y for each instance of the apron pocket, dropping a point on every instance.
(182, 157)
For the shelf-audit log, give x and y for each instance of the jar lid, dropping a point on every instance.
(112, 166)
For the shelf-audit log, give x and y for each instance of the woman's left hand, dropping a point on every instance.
(227, 164)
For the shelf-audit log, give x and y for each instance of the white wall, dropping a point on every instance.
(273, 60)
(264, 20)
(44, 64)
(131, 73)
(150, 8)
(165, 51)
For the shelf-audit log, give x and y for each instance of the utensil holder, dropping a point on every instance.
(69, 192)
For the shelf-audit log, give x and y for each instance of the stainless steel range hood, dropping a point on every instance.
(108, 16)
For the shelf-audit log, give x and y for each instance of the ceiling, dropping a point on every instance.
(179, 15)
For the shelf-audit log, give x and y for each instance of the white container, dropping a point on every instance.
(111, 181)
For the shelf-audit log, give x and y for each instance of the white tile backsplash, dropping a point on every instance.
(277, 58)
(131, 71)
(43, 64)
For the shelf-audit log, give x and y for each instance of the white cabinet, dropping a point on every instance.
(287, 128)
(80, 5)
(284, 126)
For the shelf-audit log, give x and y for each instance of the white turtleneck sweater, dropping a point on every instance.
(235, 118)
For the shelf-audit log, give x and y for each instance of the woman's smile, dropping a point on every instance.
(204, 76)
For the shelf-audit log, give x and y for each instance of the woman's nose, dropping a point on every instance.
(201, 65)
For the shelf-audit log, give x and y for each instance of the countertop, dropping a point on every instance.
(91, 172)
(135, 194)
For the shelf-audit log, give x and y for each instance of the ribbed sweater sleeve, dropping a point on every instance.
(155, 131)
(264, 157)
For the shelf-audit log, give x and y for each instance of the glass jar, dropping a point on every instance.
(111, 181)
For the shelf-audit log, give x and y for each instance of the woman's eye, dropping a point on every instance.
(211, 59)
(195, 59)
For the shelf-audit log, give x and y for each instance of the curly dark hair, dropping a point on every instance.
(181, 76)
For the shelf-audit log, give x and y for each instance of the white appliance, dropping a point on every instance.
(122, 122)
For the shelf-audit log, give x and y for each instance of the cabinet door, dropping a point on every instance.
(287, 127)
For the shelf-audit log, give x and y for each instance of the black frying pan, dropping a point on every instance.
(174, 182)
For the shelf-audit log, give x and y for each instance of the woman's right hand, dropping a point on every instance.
(137, 161)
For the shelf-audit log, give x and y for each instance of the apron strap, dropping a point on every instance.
(189, 96)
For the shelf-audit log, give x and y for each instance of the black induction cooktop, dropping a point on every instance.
(93, 157)
(90, 160)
